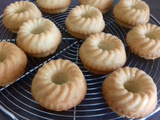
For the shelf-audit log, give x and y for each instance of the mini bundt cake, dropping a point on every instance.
(83, 21)
(39, 37)
(53, 6)
(59, 85)
(144, 40)
(102, 53)
(13, 62)
(17, 13)
(102, 5)
(129, 13)
(130, 92)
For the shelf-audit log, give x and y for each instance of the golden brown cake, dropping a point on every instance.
(59, 85)
(53, 6)
(130, 92)
(144, 40)
(17, 13)
(129, 13)
(102, 5)
(83, 21)
(13, 62)
(39, 37)
(102, 53)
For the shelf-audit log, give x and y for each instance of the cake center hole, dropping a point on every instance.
(37, 30)
(20, 10)
(59, 78)
(151, 36)
(86, 15)
(105, 46)
(135, 7)
(132, 86)
(2, 57)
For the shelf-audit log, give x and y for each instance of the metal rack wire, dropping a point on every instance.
(16, 99)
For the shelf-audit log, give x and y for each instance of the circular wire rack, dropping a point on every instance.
(16, 99)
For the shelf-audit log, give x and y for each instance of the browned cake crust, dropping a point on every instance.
(53, 6)
(17, 13)
(83, 21)
(129, 13)
(130, 92)
(144, 40)
(59, 85)
(39, 37)
(13, 62)
(102, 53)
(103, 5)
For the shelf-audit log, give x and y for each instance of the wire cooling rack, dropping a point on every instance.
(16, 99)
